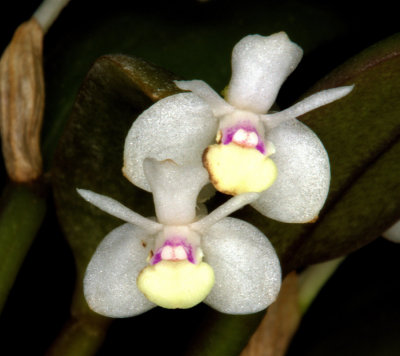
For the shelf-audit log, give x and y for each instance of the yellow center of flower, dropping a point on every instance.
(236, 169)
(176, 284)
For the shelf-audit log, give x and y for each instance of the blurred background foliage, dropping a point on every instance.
(355, 313)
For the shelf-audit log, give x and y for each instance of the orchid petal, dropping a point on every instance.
(246, 267)
(302, 185)
(175, 189)
(118, 210)
(233, 204)
(110, 280)
(259, 67)
(178, 127)
(310, 103)
(218, 105)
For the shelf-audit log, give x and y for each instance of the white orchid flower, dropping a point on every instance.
(255, 150)
(178, 260)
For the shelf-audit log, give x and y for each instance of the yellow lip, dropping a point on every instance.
(235, 169)
(176, 284)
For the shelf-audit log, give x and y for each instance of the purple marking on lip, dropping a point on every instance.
(175, 241)
(229, 132)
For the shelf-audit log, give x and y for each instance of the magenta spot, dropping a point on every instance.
(175, 241)
(156, 258)
(229, 132)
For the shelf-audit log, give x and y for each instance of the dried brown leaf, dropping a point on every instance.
(22, 102)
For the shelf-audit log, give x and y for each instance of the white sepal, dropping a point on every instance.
(178, 127)
(246, 267)
(110, 280)
(233, 204)
(218, 105)
(310, 103)
(302, 185)
(115, 208)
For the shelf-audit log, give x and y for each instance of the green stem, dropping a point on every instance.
(313, 279)
(48, 12)
(22, 210)
(84, 332)
(80, 337)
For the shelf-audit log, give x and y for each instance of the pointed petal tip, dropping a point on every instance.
(306, 105)
(84, 193)
(328, 96)
(344, 90)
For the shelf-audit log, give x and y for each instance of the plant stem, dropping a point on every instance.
(313, 279)
(84, 332)
(48, 12)
(80, 337)
(22, 210)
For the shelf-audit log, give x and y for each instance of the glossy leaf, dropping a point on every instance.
(115, 91)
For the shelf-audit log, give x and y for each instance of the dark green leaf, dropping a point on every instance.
(361, 134)
(115, 91)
